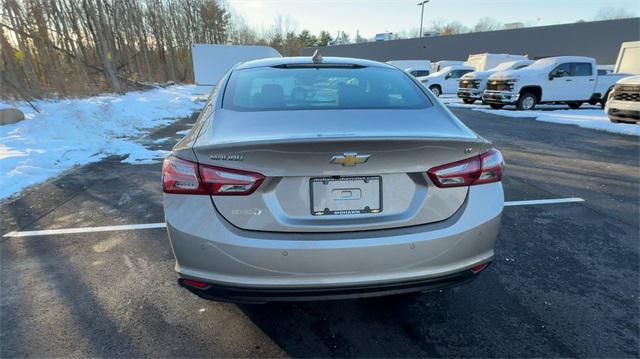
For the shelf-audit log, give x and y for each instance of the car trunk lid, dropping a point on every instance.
(340, 170)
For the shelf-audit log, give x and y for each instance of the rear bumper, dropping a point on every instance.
(209, 249)
(235, 294)
(500, 97)
(470, 93)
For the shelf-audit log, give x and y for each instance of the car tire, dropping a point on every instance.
(527, 101)
(496, 106)
(468, 101)
(574, 104)
(436, 90)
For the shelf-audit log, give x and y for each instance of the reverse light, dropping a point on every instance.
(185, 177)
(486, 168)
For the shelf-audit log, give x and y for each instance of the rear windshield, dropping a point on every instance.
(304, 88)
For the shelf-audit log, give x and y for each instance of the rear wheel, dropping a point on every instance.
(436, 90)
(468, 101)
(575, 104)
(527, 101)
(496, 106)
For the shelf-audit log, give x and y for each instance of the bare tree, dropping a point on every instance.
(487, 24)
(453, 28)
(612, 13)
(80, 47)
(438, 26)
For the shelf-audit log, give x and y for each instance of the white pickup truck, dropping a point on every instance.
(473, 84)
(446, 80)
(572, 80)
(417, 68)
(623, 104)
(439, 65)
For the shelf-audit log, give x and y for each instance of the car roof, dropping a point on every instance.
(457, 67)
(304, 60)
(571, 58)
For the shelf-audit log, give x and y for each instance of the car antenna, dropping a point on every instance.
(317, 57)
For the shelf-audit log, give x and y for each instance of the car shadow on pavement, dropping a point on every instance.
(373, 327)
(32, 324)
(479, 319)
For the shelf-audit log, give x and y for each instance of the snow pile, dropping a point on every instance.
(592, 117)
(457, 102)
(595, 119)
(78, 131)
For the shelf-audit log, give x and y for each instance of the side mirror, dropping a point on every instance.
(448, 76)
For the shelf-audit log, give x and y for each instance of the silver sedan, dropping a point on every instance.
(309, 179)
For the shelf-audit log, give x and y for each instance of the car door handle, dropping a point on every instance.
(568, 80)
(591, 80)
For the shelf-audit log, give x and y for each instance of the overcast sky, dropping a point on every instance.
(374, 16)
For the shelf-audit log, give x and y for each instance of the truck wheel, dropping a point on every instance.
(436, 90)
(496, 106)
(527, 101)
(603, 101)
(575, 104)
(468, 101)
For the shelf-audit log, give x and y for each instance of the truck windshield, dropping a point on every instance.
(543, 63)
(304, 88)
(504, 66)
(477, 63)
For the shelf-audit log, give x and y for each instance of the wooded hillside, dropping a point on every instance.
(82, 47)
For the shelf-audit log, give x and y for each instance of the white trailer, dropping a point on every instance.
(486, 61)
(628, 58)
(211, 61)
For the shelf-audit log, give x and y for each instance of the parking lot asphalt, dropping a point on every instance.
(565, 280)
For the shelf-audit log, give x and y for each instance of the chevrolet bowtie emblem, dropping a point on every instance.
(349, 159)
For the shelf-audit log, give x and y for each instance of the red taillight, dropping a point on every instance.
(184, 177)
(492, 164)
(195, 283)
(485, 168)
(180, 176)
(479, 268)
(228, 182)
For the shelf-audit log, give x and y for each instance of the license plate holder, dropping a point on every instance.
(345, 195)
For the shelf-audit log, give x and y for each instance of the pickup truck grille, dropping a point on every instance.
(468, 84)
(496, 85)
(627, 93)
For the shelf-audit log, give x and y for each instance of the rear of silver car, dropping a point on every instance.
(328, 198)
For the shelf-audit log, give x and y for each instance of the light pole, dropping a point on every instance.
(421, 3)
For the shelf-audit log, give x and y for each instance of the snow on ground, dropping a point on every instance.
(78, 131)
(587, 116)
